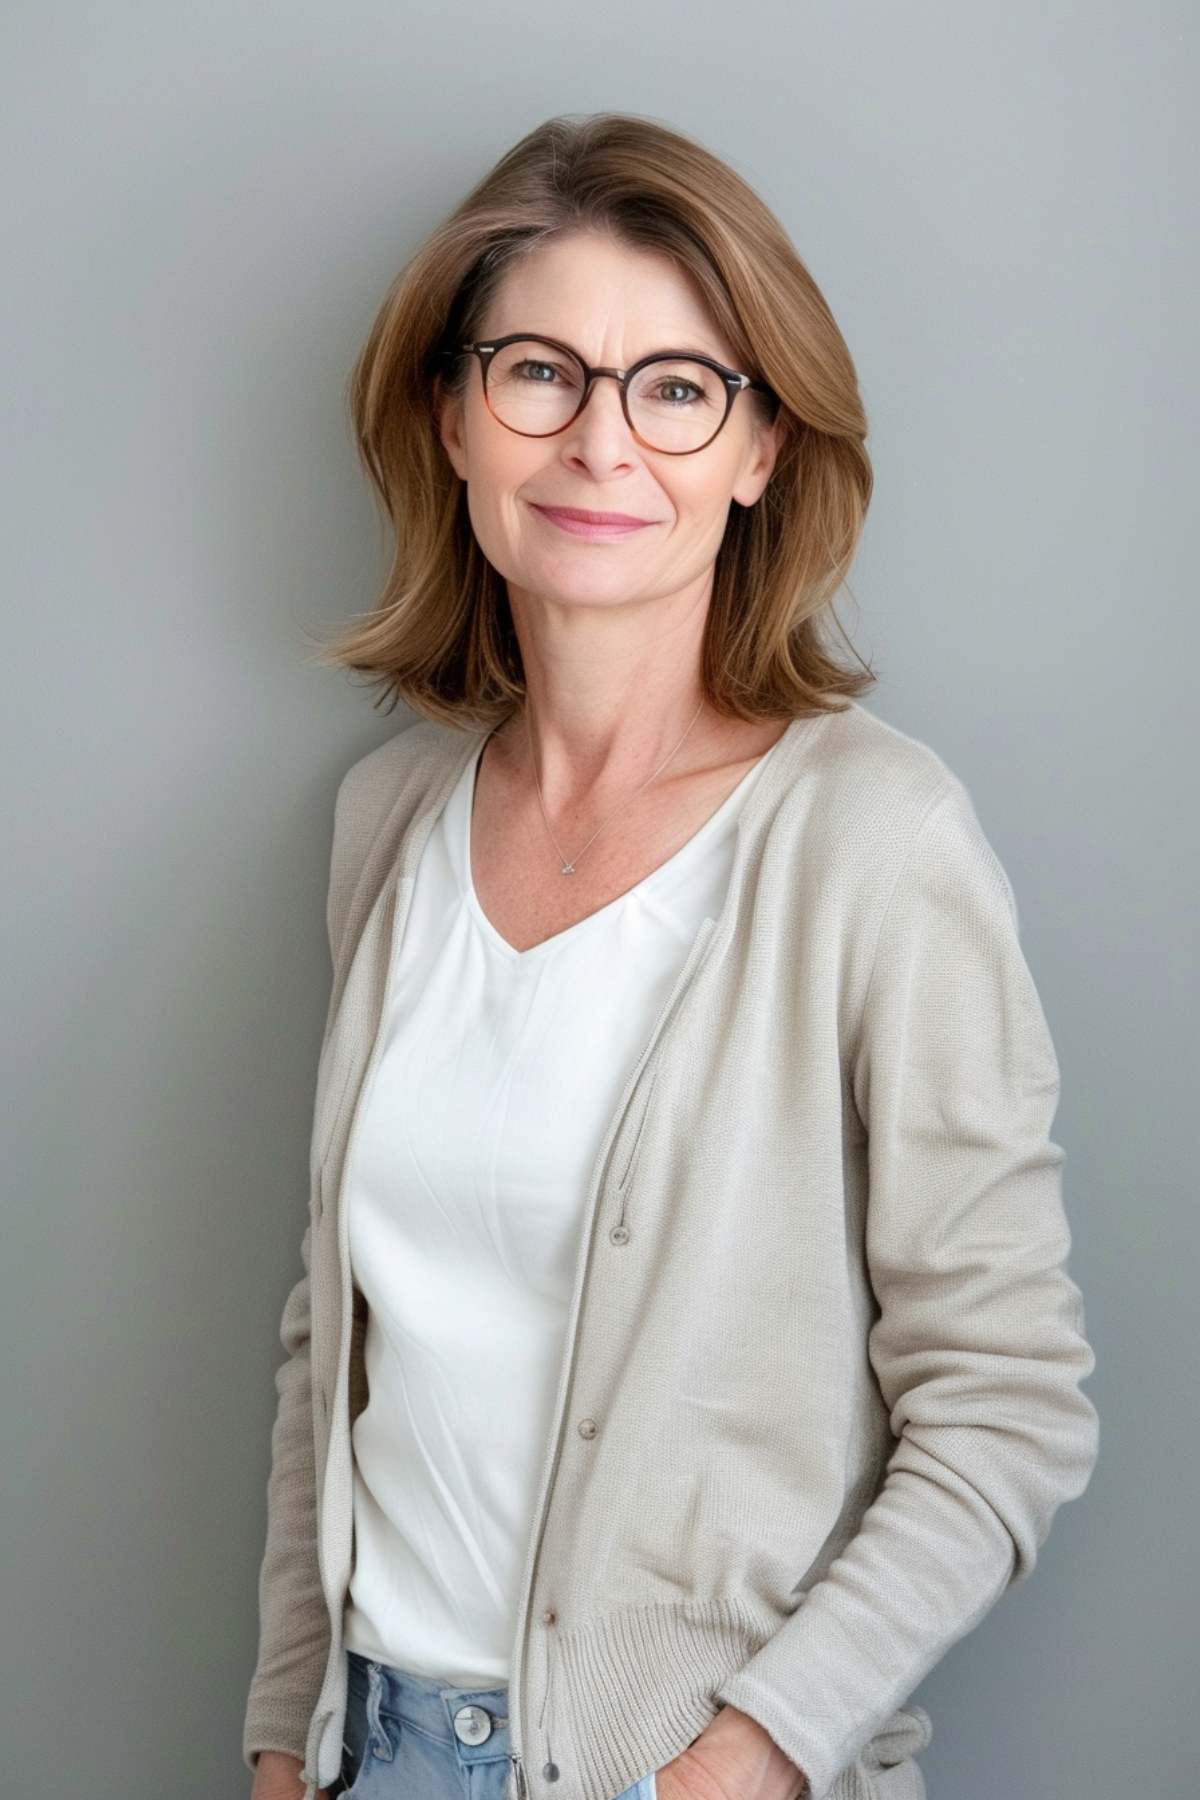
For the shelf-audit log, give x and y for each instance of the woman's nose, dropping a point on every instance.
(602, 410)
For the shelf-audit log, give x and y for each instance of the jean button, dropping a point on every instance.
(472, 1725)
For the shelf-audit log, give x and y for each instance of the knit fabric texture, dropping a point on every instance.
(821, 1394)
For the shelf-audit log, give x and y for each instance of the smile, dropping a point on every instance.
(596, 525)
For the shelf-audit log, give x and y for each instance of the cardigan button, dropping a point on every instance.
(549, 1617)
(586, 1428)
(619, 1234)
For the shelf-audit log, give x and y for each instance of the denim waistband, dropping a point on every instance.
(471, 1721)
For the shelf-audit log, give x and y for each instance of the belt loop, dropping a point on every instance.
(378, 1742)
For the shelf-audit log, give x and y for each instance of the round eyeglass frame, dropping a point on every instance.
(733, 379)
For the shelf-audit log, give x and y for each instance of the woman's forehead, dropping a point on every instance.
(649, 302)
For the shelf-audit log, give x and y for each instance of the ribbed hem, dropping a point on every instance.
(639, 1687)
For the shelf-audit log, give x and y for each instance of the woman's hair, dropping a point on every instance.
(440, 635)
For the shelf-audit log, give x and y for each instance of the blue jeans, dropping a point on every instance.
(410, 1738)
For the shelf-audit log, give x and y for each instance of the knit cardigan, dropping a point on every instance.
(820, 1392)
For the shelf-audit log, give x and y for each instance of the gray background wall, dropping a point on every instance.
(202, 207)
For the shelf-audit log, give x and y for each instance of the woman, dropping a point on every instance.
(685, 1356)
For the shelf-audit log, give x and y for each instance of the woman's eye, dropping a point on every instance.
(686, 389)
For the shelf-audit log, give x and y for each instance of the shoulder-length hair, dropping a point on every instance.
(440, 635)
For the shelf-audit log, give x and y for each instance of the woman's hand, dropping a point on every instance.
(277, 1777)
(732, 1759)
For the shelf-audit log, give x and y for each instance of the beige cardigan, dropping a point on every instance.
(820, 1395)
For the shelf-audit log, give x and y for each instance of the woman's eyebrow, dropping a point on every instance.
(667, 349)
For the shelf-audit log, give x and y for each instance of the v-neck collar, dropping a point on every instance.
(463, 795)
(784, 762)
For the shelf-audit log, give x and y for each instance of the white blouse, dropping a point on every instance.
(499, 1073)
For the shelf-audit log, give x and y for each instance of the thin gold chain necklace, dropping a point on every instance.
(568, 863)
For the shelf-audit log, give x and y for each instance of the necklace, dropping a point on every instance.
(568, 863)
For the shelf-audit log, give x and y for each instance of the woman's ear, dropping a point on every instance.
(447, 413)
(765, 446)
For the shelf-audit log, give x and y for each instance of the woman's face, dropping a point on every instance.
(612, 305)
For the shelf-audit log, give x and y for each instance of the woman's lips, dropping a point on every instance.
(604, 525)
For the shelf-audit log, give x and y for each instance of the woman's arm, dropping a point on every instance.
(293, 1620)
(294, 1624)
(979, 1345)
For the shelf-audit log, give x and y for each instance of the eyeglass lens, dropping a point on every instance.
(674, 404)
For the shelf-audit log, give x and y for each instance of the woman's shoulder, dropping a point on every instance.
(376, 797)
(412, 758)
(884, 801)
(867, 771)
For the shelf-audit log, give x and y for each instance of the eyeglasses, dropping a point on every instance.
(674, 402)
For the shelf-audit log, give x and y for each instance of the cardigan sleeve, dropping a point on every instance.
(293, 1645)
(978, 1342)
(293, 1619)
(294, 1633)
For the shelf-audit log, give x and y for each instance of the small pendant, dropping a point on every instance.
(568, 869)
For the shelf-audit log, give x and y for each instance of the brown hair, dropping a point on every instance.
(440, 635)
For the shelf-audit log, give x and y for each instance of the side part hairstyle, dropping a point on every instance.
(440, 635)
